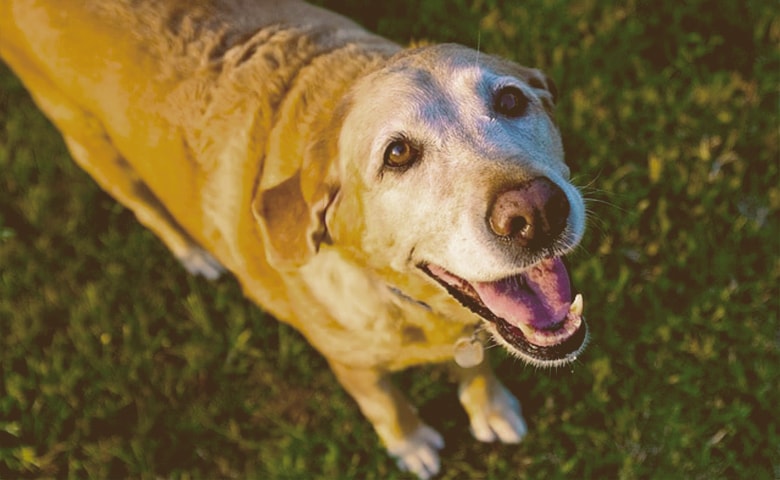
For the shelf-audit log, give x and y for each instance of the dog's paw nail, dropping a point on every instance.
(418, 453)
(510, 429)
(483, 433)
(498, 420)
(199, 262)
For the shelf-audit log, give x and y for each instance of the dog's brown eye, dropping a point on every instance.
(510, 102)
(401, 153)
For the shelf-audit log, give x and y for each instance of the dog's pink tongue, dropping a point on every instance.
(539, 297)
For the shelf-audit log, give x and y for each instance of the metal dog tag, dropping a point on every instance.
(468, 352)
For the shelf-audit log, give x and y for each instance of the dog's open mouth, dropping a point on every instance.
(533, 312)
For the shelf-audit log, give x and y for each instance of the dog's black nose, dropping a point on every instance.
(532, 214)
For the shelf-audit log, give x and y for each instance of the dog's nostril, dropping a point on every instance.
(557, 212)
(532, 214)
(519, 226)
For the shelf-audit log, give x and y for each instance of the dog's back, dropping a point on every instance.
(138, 81)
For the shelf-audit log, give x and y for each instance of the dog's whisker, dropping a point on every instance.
(476, 56)
(590, 200)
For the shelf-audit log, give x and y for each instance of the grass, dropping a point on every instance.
(115, 363)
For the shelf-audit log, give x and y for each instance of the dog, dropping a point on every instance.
(396, 206)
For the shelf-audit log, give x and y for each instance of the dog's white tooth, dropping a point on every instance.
(576, 306)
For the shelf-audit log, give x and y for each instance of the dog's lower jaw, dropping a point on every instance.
(512, 323)
(580, 338)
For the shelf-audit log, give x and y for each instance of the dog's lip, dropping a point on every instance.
(533, 312)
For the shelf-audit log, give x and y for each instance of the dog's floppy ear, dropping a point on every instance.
(293, 225)
(291, 212)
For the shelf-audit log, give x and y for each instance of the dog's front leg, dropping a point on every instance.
(414, 444)
(494, 413)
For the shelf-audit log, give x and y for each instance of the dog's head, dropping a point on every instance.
(448, 169)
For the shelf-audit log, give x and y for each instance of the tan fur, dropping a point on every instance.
(236, 131)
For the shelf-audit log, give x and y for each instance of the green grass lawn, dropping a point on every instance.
(115, 363)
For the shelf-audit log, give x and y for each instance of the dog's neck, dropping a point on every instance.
(468, 350)
(400, 294)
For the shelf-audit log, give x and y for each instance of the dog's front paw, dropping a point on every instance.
(497, 419)
(200, 262)
(419, 452)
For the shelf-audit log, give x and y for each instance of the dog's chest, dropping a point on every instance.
(348, 311)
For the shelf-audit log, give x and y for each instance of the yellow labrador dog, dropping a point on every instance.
(398, 207)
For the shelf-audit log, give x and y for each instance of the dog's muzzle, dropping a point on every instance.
(533, 312)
